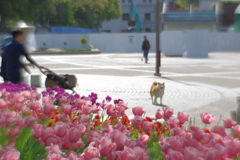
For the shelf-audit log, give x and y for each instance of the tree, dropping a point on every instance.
(81, 13)
(185, 4)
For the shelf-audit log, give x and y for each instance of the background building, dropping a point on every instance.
(204, 18)
(146, 11)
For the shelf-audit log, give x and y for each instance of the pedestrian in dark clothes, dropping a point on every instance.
(145, 47)
(11, 64)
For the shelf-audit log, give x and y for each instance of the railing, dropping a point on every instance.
(186, 16)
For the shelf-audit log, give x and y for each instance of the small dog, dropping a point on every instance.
(157, 90)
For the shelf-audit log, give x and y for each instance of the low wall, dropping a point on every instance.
(171, 42)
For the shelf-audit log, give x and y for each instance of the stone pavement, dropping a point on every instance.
(192, 85)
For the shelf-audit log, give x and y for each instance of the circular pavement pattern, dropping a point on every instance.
(179, 96)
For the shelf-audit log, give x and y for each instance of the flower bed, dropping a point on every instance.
(55, 125)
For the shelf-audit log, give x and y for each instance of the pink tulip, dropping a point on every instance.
(95, 109)
(91, 136)
(119, 138)
(81, 128)
(173, 155)
(79, 144)
(12, 154)
(72, 156)
(26, 94)
(84, 118)
(228, 122)
(120, 110)
(66, 108)
(54, 157)
(137, 121)
(140, 153)
(53, 149)
(34, 105)
(111, 111)
(48, 108)
(232, 147)
(207, 137)
(159, 114)
(51, 140)
(3, 104)
(168, 112)
(30, 121)
(106, 146)
(108, 129)
(47, 132)
(74, 135)
(182, 117)
(191, 153)
(143, 137)
(61, 129)
(5, 94)
(237, 130)
(176, 143)
(63, 99)
(219, 130)
(13, 132)
(18, 97)
(221, 149)
(146, 126)
(37, 131)
(207, 118)
(127, 154)
(112, 156)
(177, 131)
(66, 143)
(86, 110)
(211, 154)
(197, 134)
(138, 111)
(90, 153)
(173, 122)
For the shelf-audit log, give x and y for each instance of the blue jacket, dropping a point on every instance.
(11, 59)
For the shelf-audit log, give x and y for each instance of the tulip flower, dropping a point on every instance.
(207, 118)
(228, 122)
(237, 130)
(138, 111)
(182, 117)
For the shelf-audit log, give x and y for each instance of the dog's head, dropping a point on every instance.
(161, 86)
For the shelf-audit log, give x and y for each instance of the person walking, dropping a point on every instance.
(11, 64)
(145, 47)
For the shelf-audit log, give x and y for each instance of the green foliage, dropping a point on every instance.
(155, 152)
(65, 43)
(79, 49)
(44, 43)
(80, 13)
(83, 40)
(29, 147)
(185, 4)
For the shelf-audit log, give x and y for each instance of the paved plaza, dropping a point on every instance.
(192, 85)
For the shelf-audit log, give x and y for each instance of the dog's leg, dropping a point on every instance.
(155, 99)
(160, 100)
(152, 99)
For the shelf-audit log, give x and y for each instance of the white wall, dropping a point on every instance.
(57, 40)
(172, 42)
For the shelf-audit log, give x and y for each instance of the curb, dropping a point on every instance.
(69, 52)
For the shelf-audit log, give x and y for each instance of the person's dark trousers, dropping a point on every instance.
(13, 76)
(145, 55)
